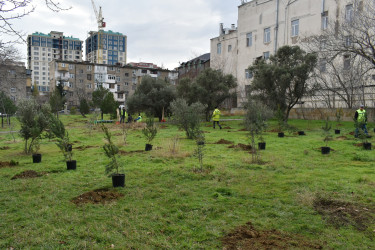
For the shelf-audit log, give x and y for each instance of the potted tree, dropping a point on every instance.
(280, 122)
(149, 132)
(34, 148)
(112, 168)
(63, 142)
(326, 136)
(339, 113)
(362, 135)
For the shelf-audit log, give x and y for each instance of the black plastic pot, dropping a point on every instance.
(337, 131)
(325, 150)
(200, 143)
(374, 130)
(367, 146)
(148, 147)
(261, 145)
(281, 134)
(37, 158)
(301, 133)
(118, 180)
(71, 165)
(69, 147)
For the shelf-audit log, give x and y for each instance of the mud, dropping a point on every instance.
(27, 175)
(241, 146)
(222, 141)
(98, 196)
(248, 237)
(342, 213)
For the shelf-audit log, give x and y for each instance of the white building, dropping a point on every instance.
(266, 25)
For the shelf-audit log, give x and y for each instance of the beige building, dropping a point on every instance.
(266, 25)
(80, 79)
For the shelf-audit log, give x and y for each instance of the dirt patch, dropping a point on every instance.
(341, 213)
(227, 128)
(341, 138)
(81, 148)
(273, 131)
(244, 129)
(351, 133)
(4, 148)
(98, 196)
(241, 146)
(122, 152)
(118, 134)
(248, 237)
(4, 164)
(358, 144)
(27, 174)
(163, 126)
(222, 141)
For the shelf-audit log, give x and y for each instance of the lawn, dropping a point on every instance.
(297, 197)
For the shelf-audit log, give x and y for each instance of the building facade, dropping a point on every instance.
(112, 50)
(192, 68)
(80, 79)
(266, 25)
(43, 48)
(15, 80)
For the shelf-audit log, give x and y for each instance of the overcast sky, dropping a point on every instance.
(164, 32)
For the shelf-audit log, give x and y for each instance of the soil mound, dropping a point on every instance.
(97, 196)
(4, 148)
(341, 213)
(26, 175)
(244, 129)
(241, 146)
(122, 152)
(248, 237)
(81, 148)
(227, 128)
(222, 141)
(4, 164)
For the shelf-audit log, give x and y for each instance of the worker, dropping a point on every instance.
(360, 119)
(123, 114)
(139, 118)
(130, 118)
(216, 117)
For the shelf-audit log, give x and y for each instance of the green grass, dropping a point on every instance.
(168, 205)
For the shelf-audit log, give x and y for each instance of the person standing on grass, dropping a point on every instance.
(122, 115)
(360, 118)
(216, 117)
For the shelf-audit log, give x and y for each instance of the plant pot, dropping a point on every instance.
(200, 143)
(325, 150)
(37, 158)
(374, 130)
(69, 147)
(71, 165)
(118, 180)
(367, 146)
(148, 147)
(301, 133)
(261, 145)
(281, 134)
(337, 131)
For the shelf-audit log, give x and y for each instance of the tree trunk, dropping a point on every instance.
(102, 115)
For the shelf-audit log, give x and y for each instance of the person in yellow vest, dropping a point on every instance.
(361, 119)
(139, 118)
(216, 117)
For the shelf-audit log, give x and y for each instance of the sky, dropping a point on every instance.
(163, 32)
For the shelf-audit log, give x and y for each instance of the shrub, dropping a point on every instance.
(188, 117)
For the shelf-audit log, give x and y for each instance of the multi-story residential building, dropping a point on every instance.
(43, 48)
(193, 67)
(266, 25)
(80, 79)
(142, 69)
(112, 50)
(15, 80)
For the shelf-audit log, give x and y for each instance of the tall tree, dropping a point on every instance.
(210, 88)
(102, 98)
(152, 96)
(282, 81)
(56, 101)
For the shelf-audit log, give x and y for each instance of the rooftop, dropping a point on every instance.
(49, 35)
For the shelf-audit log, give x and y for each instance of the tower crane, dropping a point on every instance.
(99, 16)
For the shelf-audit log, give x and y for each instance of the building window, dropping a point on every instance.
(219, 48)
(71, 75)
(63, 65)
(249, 39)
(267, 35)
(324, 20)
(346, 62)
(118, 78)
(118, 87)
(80, 81)
(120, 96)
(70, 85)
(12, 90)
(126, 84)
(248, 74)
(229, 48)
(295, 28)
(349, 12)
(266, 55)
(88, 76)
(89, 68)
(127, 74)
(89, 86)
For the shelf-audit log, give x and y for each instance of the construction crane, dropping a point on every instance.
(101, 25)
(99, 16)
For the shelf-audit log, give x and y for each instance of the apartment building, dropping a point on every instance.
(193, 67)
(43, 48)
(80, 79)
(112, 49)
(266, 25)
(15, 80)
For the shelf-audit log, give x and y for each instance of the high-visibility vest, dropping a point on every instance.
(139, 119)
(361, 115)
(216, 115)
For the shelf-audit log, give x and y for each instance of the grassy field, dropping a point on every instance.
(297, 193)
